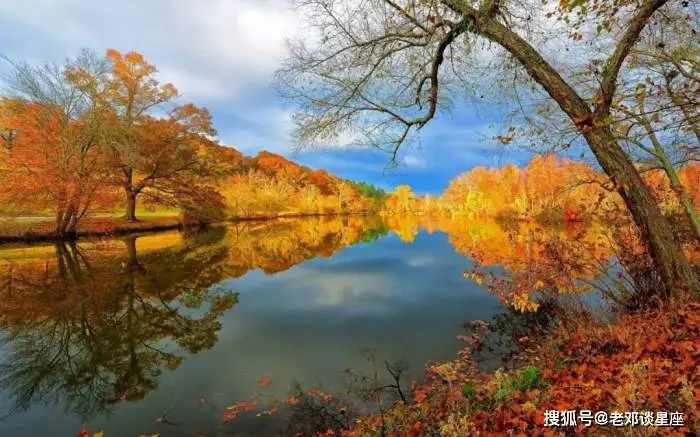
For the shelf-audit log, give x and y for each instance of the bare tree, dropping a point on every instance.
(381, 70)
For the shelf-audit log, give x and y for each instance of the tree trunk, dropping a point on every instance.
(58, 227)
(668, 257)
(60, 211)
(662, 157)
(63, 220)
(130, 206)
(130, 194)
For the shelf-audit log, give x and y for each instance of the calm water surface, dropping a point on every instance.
(115, 333)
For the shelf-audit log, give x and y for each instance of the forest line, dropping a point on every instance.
(547, 189)
(100, 136)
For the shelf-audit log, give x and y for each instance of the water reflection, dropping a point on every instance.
(90, 329)
(94, 325)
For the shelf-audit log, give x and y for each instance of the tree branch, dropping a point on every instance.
(614, 64)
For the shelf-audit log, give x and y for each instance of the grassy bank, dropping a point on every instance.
(40, 228)
(30, 229)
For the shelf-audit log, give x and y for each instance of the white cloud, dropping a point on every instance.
(413, 161)
(214, 49)
(191, 86)
(257, 127)
(421, 260)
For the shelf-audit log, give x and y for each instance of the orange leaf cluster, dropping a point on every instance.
(645, 362)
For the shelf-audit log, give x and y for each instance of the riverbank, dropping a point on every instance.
(640, 370)
(41, 229)
(574, 374)
(37, 230)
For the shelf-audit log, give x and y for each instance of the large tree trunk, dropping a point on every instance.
(668, 257)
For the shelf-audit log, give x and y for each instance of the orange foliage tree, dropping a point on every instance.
(55, 162)
(271, 185)
(401, 200)
(149, 152)
(547, 188)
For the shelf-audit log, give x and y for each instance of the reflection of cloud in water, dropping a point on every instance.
(306, 322)
(346, 289)
(310, 322)
(421, 260)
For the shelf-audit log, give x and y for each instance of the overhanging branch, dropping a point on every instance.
(624, 46)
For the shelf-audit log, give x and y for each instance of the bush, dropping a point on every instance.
(530, 378)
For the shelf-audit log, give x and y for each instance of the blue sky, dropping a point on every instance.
(221, 54)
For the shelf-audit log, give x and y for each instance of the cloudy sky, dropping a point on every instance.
(221, 54)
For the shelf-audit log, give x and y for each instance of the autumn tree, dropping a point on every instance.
(657, 113)
(56, 162)
(381, 69)
(152, 152)
(402, 200)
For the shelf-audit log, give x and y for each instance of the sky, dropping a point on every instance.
(221, 54)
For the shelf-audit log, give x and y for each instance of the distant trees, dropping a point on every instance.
(271, 185)
(401, 200)
(368, 190)
(384, 68)
(548, 190)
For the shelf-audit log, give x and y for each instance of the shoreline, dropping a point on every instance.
(114, 227)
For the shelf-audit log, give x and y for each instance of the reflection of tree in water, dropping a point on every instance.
(568, 259)
(95, 331)
(406, 227)
(276, 246)
(95, 324)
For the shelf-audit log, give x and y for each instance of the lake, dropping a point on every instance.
(117, 333)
